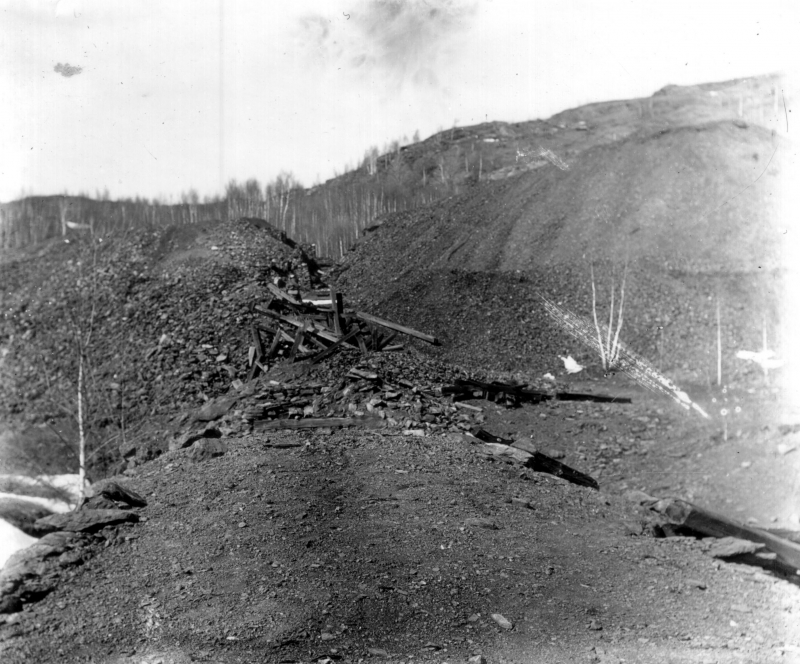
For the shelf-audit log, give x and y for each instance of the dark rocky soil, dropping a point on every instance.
(378, 546)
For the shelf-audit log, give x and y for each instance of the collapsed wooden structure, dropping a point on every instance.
(313, 327)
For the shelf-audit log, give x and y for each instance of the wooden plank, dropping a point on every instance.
(257, 342)
(317, 342)
(337, 303)
(298, 339)
(369, 318)
(387, 341)
(685, 514)
(362, 346)
(297, 322)
(253, 371)
(538, 461)
(283, 295)
(596, 398)
(544, 464)
(323, 422)
(367, 375)
(333, 348)
(276, 340)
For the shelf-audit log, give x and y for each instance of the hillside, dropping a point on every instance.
(693, 210)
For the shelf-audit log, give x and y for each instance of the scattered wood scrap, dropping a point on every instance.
(526, 453)
(700, 521)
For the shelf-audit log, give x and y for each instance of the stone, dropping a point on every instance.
(127, 449)
(479, 522)
(477, 659)
(99, 503)
(86, 520)
(191, 437)
(207, 448)
(213, 410)
(121, 494)
(62, 540)
(501, 620)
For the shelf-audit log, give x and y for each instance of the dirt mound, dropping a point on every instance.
(170, 311)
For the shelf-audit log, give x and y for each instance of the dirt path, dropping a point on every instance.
(393, 548)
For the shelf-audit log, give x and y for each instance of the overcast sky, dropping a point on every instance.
(154, 97)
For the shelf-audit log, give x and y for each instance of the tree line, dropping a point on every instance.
(330, 216)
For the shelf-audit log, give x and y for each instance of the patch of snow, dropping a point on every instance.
(570, 364)
(12, 540)
(50, 503)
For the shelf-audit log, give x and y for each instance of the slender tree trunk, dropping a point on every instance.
(81, 432)
(719, 346)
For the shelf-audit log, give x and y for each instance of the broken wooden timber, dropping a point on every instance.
(545, 464)
(257, 342)
(322, 423)
(464, 388)
(595, 398)
(297, 322)
(330, 350)
(694, 518)
(399, 328)
(283, 295)
(255, 367)
(337, 304)
(535, 460)
(298, 339)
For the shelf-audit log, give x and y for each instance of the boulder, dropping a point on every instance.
(86, 520)
(207, 448)
(191, 437)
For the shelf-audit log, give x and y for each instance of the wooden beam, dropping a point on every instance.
(685, 514)
(337, 303)
(330, 350)
(297, 322)
(386, 341)
(276, 340)
(399, 328)
(283, 295)
(298, 339)
(257, 342)
(534, 459)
